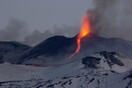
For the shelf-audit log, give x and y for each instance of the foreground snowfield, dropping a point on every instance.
(105, 74)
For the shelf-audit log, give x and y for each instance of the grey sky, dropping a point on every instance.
(43, 14)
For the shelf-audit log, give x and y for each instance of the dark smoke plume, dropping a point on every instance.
(113, 18)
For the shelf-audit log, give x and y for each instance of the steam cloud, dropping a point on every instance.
(37, 36)
(14, 30)
(17, 30)
(113, 18)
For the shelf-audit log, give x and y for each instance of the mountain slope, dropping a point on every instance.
(52, 47)
(112, 71)
(123, 80)
(9, 50)
(58, 48)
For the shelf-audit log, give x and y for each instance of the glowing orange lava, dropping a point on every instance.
(85, 30)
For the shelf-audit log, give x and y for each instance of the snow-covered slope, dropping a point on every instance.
(123, 80)
(100, 70)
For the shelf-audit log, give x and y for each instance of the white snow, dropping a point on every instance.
(76, 75)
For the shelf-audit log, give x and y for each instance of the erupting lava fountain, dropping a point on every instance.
(85, 30)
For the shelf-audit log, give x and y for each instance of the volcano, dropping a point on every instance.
(58, 48)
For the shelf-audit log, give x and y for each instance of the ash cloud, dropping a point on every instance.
(113, 18)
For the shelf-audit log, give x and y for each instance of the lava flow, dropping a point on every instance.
(85, 30)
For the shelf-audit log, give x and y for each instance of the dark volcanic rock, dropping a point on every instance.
(91, 62)
(1, 58)
(111, 58)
